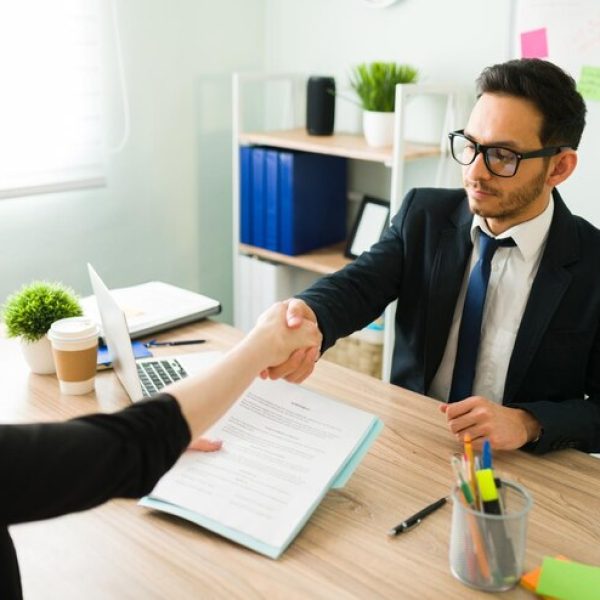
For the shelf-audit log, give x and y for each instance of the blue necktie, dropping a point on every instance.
(470, 325)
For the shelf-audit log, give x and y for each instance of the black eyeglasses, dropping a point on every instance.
(499, 161)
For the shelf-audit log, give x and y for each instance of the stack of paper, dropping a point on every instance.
(284, 448)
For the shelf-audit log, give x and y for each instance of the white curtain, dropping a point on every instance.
(51, 129)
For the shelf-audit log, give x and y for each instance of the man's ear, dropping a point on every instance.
(561, 167)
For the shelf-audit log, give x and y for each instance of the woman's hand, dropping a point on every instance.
(278, 341)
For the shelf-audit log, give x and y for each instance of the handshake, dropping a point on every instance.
(288, 337)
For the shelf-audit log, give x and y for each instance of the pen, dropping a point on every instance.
(486, 463)
(462, 484)
(417, 517)
(486, 455)
(175, 343)
(471, 467)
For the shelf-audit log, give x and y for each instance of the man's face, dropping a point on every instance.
(515, 123)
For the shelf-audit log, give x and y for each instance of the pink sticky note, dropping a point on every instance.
(534, 43)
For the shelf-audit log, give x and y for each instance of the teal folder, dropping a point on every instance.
(338, 480)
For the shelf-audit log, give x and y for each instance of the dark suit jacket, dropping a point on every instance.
(52, 469)
(554, 370)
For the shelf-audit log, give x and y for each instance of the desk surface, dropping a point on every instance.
(121, 550)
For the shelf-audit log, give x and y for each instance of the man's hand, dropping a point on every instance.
(301, 363)
(506, 428)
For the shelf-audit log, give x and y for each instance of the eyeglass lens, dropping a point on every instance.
(500, 161)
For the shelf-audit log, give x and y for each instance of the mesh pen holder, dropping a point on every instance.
(487, 551)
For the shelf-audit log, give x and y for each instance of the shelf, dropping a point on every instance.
(284, 136)
(340, 144)
(324, 260)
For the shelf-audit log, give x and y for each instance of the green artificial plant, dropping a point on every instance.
(29, 312)
(375, 83)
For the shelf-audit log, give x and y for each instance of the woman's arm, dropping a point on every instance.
(205, 397)
(51, 469)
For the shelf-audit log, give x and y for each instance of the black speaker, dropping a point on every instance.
(320, 105)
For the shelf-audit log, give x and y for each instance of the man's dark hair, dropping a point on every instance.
(551, 90)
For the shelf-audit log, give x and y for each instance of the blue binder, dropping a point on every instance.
(246, 194)
(312, 192)
(272, 228)
(258, 197)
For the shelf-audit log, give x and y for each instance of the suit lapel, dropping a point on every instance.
(447, 274)
(550, 284)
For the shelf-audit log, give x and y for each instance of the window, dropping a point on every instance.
(51, 100)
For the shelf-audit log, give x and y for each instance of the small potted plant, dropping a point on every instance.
(375, 83)
(28, 315)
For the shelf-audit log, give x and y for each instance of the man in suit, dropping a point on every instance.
(527, 373)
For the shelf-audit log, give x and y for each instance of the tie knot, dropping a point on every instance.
(488, 245)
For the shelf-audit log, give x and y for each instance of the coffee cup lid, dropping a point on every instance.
(73, 329)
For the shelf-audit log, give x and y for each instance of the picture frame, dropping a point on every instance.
(371, 221)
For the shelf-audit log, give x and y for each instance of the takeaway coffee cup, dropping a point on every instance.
(75, 349)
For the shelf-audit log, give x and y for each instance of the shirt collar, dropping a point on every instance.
(528, 236)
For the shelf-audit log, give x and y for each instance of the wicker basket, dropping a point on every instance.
(357, 354)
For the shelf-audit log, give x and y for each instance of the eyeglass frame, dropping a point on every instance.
(482, 149)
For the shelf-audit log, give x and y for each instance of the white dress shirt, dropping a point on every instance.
(512, 274)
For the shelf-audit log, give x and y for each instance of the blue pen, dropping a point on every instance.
(486, 455)
(486, 463)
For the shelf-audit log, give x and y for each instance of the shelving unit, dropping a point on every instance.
(346, 145)
(323, 260)
(353, 146)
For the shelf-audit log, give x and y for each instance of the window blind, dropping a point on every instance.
(51, 130)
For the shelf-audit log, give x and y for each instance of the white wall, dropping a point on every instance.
(167, 208)
(449, 42)
(574, 42)
(446, 41)
(166, 211)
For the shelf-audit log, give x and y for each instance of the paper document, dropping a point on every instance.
(284, 448)
(156, 306)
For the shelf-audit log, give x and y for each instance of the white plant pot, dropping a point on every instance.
(378, 128)
(39, 356)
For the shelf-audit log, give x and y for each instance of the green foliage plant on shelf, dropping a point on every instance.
(375, 83)
(29, 312)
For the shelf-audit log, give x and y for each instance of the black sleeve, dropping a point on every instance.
(52, 469)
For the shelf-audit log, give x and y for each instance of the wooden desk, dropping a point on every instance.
(121, 550)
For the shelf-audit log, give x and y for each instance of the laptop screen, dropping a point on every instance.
(116, 336)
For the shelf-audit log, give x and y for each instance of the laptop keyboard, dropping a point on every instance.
(155, 374)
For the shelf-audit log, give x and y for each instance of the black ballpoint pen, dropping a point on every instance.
(175, 343)
(417, 517)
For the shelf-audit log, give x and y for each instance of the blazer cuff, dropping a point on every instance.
(322, 322)
(561, 427)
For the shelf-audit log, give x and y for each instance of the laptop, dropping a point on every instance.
(144, 377)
